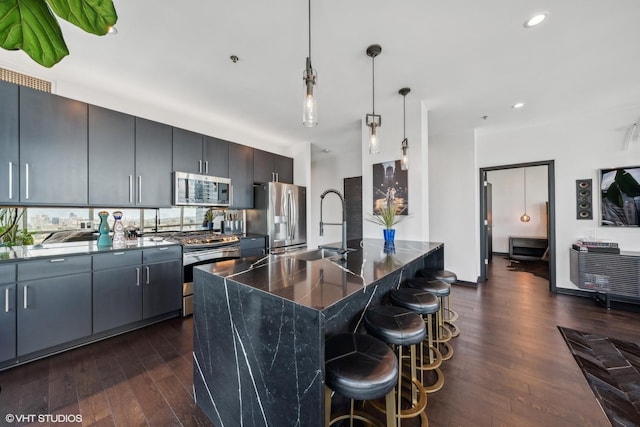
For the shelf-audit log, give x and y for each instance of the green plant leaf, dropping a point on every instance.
(29, 25)
(93, 16)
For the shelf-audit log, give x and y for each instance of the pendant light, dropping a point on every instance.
(374, 120)
(404, 163)
(310, 77)
(525, 217)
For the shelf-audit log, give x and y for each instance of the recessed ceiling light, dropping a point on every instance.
(535, 20)
(326, 150)
(517, 105)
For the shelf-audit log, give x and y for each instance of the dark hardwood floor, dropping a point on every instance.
(511, 366)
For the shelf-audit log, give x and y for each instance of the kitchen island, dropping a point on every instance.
(260, 326)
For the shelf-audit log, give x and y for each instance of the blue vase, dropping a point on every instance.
(389, 234)
(104, 241)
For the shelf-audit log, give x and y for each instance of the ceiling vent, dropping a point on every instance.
(24, 80)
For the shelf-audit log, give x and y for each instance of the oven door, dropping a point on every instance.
(191, 258)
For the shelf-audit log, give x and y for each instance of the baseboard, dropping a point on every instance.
(465, 283)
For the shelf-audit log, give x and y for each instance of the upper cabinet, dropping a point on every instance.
(9, 161)
(269, 167)
(215, 153)
(241, 174)
(53, 149)
(196, 153)
(111, 158)
(153, 179)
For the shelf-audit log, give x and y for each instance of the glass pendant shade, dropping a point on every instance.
(309, 104)
(525, 217)
(374, 142)
(404, 162)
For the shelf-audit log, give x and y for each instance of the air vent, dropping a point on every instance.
(24, 80)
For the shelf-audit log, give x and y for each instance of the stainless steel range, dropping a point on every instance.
(201, 247)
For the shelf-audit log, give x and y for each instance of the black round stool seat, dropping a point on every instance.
(437, 287)
(395, 325)
(416, 300)
(444, 275)
(360, 366)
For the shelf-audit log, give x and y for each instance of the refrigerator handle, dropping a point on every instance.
(292, 216)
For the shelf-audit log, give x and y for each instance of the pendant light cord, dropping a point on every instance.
(373, 84)
(525, 189)
(309, 29)
(404, 116)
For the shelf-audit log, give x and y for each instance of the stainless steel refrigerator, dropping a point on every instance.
(281, 213)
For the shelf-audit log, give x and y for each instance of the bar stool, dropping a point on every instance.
(425, 304)
(450, 277)
(441, 290)
(400, 327)
(359, 367)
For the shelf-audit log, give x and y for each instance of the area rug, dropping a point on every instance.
(537, 268)
(612, 369)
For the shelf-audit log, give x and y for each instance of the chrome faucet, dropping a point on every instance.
(343, 248)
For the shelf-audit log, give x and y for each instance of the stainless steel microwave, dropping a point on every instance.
(190, 189)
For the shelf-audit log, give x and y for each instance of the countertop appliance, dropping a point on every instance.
(280, 213)
(200, 247)
(191, 189)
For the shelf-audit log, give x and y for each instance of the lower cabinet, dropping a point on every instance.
(253, 246)
(8, 322)
(162, 289)
(117, 289)
(53, 311)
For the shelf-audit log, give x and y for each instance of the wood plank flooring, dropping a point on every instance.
(511, 366)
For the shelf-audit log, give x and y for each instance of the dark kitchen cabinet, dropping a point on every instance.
(253, 246)
(54, 305)
(111, 157)
(161, 281)
(117, 289)
(53, 149)
(241, 175)
(215, 153)
(9, 143)
(269, 167)
(7, 311)
(195, 153)
(153, 181)
(187, 151)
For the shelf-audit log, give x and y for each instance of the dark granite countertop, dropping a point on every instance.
(320, 283)
(20, 253)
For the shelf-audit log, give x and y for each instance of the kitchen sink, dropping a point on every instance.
(320, 253)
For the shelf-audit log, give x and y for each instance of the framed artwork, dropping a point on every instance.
(390, 187)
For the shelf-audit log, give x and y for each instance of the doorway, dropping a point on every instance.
(486, 217)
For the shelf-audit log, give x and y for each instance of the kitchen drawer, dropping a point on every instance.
(117, 259)
(252, 243)
(7, 273)
(163, 253)
(59, 266)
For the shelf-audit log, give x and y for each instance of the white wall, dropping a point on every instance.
(453, 200)
(508, 204)
(580, 147)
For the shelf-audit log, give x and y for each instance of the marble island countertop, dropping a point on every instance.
(260, 325)
(320, 283)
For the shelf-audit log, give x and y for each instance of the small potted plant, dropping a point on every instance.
(208, 216)
(386, 216)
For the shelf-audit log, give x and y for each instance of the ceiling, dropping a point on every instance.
(463, 58)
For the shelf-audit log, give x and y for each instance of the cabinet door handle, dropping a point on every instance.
(118, 253)
(199, 166)
(206, 166)
(130, 188)
(57, 260)
(6, 300)
(26, 171)
(137, 276)
(277, 177)
(162, 249)
(10, 180)
(147, 274)
(24, 296)
(139, 188)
